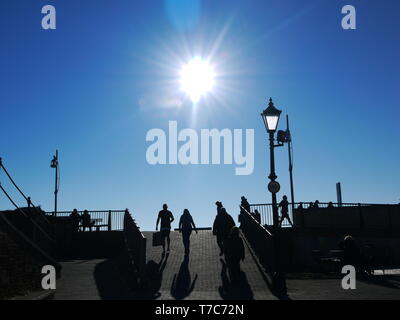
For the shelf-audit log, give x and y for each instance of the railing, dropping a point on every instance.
(260, 239)
(265, 210)
(104, 220)
(136, 245)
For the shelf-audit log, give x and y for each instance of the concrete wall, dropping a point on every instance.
(382, 217)
(305, 242)
(20, 270)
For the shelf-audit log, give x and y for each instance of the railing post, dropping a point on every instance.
(109, 221)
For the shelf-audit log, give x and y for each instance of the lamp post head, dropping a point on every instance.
(271, 116)
(54, 162)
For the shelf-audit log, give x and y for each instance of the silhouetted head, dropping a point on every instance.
(243, 198)
(256, 211)
(316, 201)
(85, 212)
(186, 211)
(165, 207)
(75, 211)
(284, 197)
(218, 204)
(235, 232)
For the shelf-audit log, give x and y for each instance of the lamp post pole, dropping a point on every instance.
(272, 176)
(54, 164)
(270, 117)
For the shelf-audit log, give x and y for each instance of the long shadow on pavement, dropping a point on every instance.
(182, 284)
(154, 274)
(234, 291)
(110, 285)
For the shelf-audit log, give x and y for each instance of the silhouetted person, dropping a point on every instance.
(284, 204)
(223, 224)
(166, 218)
(219, 206)
(310, 205)
(245, 204)
(234, 252)
(316, 204)
(257, 216)
(330, 205)
(75, 219)
(186, 225)
(351, 253)
(86, 222)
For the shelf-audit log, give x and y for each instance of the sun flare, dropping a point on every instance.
(197, 78)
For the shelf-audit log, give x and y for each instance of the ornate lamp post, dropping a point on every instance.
(54, 165)
(270, 117)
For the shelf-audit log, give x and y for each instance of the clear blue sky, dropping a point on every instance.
(94, 86)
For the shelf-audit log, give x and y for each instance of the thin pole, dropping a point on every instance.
(290, 162)
(56, 186)
(273, 177)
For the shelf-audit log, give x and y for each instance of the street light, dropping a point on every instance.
(270, 117)
(54, 165)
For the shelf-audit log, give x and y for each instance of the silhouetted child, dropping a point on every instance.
(223, 223)
(245, 204)
(284, 204)
(166, 218)
(257, 216)
(234, 253)
(75, 219)
(316, 204)
(86, 222)
(186, 225)
(330, 205)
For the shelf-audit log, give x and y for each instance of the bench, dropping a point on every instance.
(95, 223)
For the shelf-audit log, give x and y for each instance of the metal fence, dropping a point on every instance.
(136, 246)
(102, 220)
(265, 210)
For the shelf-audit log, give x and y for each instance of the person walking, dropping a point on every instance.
(166, 218)
(234, 253)
(222, 225)
(284, 204)
(186, 225)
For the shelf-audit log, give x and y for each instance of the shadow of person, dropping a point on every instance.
(154, 274)
(234, 290)
(182, 286)
(110, 284)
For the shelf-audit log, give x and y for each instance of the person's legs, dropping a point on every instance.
(186, 240)
(168, 240)
(163, 235)
(220, 244)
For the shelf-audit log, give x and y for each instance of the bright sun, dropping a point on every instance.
(197, 78)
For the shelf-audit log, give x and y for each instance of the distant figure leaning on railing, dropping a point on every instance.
(75, 219)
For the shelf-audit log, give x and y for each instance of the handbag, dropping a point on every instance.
(157, 239)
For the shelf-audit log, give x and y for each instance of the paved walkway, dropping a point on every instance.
(203, 276)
